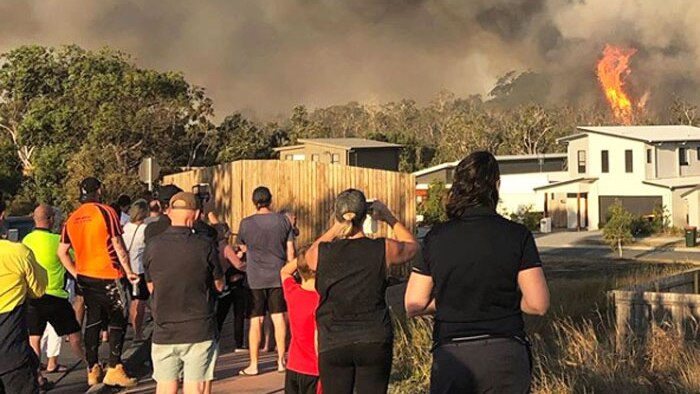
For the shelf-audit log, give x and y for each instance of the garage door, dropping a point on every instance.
(638, 205)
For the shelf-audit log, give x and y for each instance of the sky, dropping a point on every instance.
(265, 57)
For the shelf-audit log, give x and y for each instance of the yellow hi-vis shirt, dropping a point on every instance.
(44, 244)
(20, 276)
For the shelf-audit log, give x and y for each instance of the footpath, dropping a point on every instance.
(137, 361)
(590, 245)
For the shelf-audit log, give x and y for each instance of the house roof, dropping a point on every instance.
(675, 183)
(349, 143)
(502, 158)
(566, 182)
(650, 134)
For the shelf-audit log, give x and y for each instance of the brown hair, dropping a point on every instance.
(475, 184)
(303, 268)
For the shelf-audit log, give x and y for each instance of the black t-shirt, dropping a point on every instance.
(159, 226)
(351, 281)
(182, 267)
(474, 262)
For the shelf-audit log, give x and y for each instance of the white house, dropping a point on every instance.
(641, 166)
(520, 175)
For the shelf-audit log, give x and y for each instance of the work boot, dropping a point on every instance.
(117, 377)
(94, 375)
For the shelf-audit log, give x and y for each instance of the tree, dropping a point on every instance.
(240, 139)
(69, 112)
(433, 207)
(618, 228)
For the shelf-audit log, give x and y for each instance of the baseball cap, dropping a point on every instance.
(350, 201)
(89, 185)
(184, 200)
(166, 192)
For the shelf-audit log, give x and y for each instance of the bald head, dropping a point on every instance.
(44, 216)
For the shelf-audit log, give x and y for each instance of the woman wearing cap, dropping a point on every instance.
(355, 336)
(484, 272)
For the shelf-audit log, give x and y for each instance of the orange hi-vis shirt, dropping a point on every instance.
(89, 230)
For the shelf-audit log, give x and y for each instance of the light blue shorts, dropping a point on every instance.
(196, 361)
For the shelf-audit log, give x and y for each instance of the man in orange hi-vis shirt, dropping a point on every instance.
(101, 267)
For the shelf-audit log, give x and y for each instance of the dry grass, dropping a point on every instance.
(573, 347)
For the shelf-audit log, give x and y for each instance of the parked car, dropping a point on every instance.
(18, 227)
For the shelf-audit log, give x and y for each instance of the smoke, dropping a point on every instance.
(267, 56)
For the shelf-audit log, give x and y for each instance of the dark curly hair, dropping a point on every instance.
(475, 184)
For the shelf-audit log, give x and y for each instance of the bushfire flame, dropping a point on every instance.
(612, 69)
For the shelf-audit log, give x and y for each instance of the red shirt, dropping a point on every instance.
(301, 308)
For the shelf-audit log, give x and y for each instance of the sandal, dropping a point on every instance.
(242, 372)
(59, 369)
(45, 385)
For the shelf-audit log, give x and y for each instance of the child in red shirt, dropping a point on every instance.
(302, 301)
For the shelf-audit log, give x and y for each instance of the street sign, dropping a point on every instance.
(149, 171)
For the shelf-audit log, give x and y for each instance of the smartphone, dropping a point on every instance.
(201, 191)
(370, 226)
(13, 235)
(369, 207)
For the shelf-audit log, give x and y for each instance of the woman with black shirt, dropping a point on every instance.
(355, 336)
(479, 273)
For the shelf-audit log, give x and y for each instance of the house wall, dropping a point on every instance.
(378, 158)
(572, 156)
(692, 201)
(517, 190)
(650, 168)
(666, 161)
(669, 163)
(443, 175)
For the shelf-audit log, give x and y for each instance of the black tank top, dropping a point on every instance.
(351, 280)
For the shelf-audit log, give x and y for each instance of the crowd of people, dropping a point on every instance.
(171, 256)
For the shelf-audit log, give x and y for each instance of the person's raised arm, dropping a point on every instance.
(404, 247)
(328, 236)
(533, 285)
(291, 251)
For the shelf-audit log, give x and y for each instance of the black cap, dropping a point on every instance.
(262, 197)
(89, 185)
(123, 200)
(166, 192)
(351, 201)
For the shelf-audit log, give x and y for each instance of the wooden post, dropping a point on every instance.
(585, 210)
(578, 211)
(546, 205)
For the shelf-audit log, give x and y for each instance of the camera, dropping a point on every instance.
(369, 207)
(201, 191)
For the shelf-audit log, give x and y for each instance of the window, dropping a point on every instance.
(314, 157)
(604, 163)
(683, 156)
(698, 151)
(335, 158)
(628, 161)
(288, 157)
(649, 156)
(581, 161)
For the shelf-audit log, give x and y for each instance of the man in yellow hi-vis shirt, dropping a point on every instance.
(20, 278)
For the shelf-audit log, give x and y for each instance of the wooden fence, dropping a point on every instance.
(306, 188)
(672, 301)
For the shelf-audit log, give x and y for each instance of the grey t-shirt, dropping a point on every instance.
(265, 236)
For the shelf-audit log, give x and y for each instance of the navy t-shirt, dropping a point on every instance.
(266, 236)
(474, 262)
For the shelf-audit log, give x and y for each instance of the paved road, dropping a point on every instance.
(646, 254)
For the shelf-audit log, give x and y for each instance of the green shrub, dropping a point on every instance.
(433, 207)
(527, 217)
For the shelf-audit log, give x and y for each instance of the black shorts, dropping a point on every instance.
(143, 289)
(54, 310)
(263, 301)
(299, 383)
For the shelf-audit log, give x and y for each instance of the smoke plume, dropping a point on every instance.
(267, 56)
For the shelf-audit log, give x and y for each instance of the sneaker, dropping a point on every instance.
(117, 377)
(94, 375)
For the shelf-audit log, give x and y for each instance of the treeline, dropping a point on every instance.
(67, 112)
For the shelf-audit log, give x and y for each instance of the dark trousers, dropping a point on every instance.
(22, 380)
(362, 368)
(494, 365)
(105, 302)
(299, 383)
(238, 298)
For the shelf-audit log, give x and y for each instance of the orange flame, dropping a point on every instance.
(612, 68)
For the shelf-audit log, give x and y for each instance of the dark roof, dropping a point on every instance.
(349, 143)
